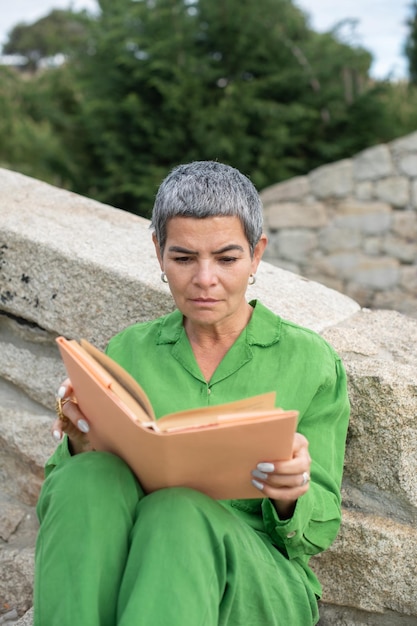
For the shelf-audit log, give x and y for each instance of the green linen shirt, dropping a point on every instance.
(271, 354)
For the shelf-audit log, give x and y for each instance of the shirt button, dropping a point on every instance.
(291, 534)
(209, 391)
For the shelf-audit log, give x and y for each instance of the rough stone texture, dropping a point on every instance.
(27, 619)
(380, 351)
(362, 210)
(372, 565)
(101, 274)
(332, 181)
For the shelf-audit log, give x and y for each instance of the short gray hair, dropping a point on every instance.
(203, 189)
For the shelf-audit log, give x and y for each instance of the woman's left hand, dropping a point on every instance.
(285, 481)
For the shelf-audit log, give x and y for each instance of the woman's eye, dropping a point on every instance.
(227, 260)
(182, 259)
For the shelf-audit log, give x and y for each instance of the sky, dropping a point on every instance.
(380, 26)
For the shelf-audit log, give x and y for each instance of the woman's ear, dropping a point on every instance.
(157, 250)
(259, 251)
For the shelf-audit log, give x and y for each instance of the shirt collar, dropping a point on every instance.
(263, 329)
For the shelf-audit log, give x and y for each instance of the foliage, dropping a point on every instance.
(241, 82)
(59, 32)
(29, 143)
(152, 83)
(410, 47)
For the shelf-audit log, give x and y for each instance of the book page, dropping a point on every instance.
(205, 416)
(180, 419)
(130, 388)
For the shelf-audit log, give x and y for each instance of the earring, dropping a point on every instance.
(164, 277)
(252, 279)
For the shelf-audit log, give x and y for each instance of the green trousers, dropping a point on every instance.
(107, 555)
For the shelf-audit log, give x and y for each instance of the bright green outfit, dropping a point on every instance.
(107, 555)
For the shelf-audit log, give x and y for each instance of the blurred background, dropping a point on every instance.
(104, 97)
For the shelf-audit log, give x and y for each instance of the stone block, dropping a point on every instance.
(293, 190)
(397, 300)
(394, 190)
(295, 245)
(404, 144)
(404, 224)
(413, 194)
(93, 301)
(371, 218)
(333, 239)
(329, 281)
(27, 619)
(397, 248)
(341, 264)
(391, 429)
(334, 615)
(408, 165)
(408, 279)
(373, 163)
(361, 294)
(303, 301)
(295, 215)
(364, 190)
(25, 443)
(16, 581)
(371, 566)
(332, 181)
(372, 246)
(380, 354)
(377, 273)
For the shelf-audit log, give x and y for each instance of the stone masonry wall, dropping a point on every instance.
(352, 226)
(72, 266)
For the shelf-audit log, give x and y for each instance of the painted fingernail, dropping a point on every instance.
(83, 426)
(257, 474)
(258, 485)
(266, 467)
(57, 435)
(61, 392)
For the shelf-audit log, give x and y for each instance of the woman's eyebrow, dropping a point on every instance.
(230, 247)
(181, 250)
(227, 248)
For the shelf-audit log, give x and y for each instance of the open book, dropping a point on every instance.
(211, 449)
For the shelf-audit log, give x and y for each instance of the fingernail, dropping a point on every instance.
(61, 392)
(57, 435)
(83, 426)
(259, 474)
(258, 485)
(266, 467)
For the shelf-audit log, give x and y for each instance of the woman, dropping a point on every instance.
(109, 555)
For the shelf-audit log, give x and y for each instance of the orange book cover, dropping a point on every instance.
(211, 449)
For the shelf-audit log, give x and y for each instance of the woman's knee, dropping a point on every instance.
(89, 479)
(181, 508)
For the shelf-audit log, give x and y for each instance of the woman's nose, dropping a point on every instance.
(205, 274)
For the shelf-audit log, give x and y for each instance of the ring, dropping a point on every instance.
(58, 408)
(306, 478)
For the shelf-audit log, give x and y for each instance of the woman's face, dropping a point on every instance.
(208, 263)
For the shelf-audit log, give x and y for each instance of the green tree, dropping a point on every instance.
(247, 83)
(410, 47)
(59, 32)
(29, 142)
(152, 83)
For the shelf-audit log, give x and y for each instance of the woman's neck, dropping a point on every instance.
(224, 333)
(210, 343)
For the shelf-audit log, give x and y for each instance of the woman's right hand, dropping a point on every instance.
(74, 423)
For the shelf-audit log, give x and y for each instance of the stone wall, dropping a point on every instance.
(72, 266)
(352, 226)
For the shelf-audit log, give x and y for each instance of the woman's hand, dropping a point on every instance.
(71, 421)
(285, 481)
